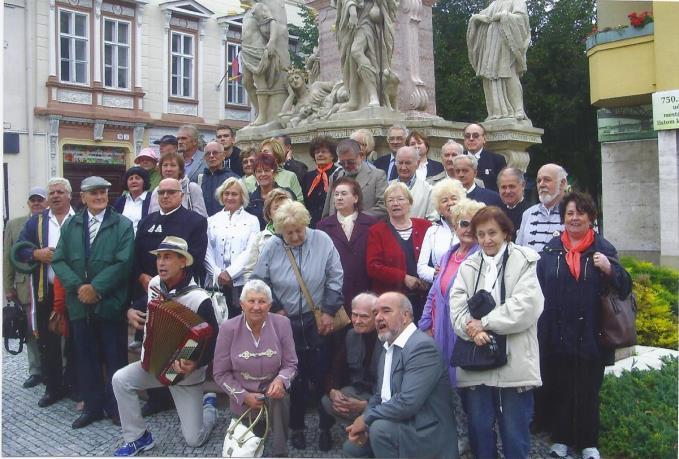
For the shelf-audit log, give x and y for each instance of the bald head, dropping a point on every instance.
(169, 194)
(407, 160)
(393, 313)
(214, 156)
(551, 180)
(362, 312)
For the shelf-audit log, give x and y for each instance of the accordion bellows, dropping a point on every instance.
(173, 332)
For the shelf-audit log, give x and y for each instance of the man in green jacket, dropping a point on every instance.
(93, 261)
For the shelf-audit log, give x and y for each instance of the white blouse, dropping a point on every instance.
(133, 209)
(230, 237)
(437, 240)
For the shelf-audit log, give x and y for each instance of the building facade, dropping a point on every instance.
(88, 83)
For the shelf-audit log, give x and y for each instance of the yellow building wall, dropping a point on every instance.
(666, 30)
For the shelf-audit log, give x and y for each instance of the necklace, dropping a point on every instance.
(460, 260)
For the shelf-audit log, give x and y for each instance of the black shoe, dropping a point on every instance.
(298, 440)
(86, 419)
(325, 440)
(150, 409)
(50, 398)
(32, 381)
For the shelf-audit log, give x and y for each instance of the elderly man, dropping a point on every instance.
(17, 285)
(147, 159)
(396, 138)
(542, 221)
(489, 163)
(465, 171)
(407, 160)
(166, 144)
(226, 136)
(188, 141)
(410, 414)
(93, 261)
(43, 232)
(197, 413)
(358, 365)
(511, 183)
(372, 181)
(213, 176)
(291, 164)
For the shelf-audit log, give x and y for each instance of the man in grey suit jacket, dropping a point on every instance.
(372, 181)
(411, 412)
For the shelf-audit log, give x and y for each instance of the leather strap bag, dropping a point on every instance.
(618, 318)
(341, 318)
(241, 441)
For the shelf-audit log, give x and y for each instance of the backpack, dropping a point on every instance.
(14, 326)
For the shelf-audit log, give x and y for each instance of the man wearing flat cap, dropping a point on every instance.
(37, 242)
(93, 261)
(17, 285)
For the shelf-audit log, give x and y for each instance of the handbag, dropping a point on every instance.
(58, 324)
(341, 318)
(466, 354)
(14, 326)
(618, 318)
(219, 306)
(241, 441)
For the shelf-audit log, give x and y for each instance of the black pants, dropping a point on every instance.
(570, 398)
(49, 345)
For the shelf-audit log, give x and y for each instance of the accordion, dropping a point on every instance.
(173, 332)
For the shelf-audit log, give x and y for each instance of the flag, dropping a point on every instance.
(235, 67)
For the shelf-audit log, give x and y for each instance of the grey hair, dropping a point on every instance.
(512, 172)
(60, 181)
(406, 305)
(561, 173)
(349, 145)
(256, 286)
(193, 129)
(453, 143)
(398, 186)
(228, 183)
(221, 147)
(471, 158)
(399, 126)
(364, 296)
(445, 187)
(368, 138)
(465, 208)
(291, 213)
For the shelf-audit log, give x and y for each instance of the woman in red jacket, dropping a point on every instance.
(394, 248)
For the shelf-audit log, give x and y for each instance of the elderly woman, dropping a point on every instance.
(367, 142)
(348, 229)
(285, 178)
(171, 165)
(255, 362)
(321, 270)
(575, 269)
(231, 233)
(315, 185)
(505, 393)
(427, 167)
(436, 315)
(266, 173)
(394, 248)
(135, 203)
(247, 159)
(440, 236)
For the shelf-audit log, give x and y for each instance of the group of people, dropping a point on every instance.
(402, 243)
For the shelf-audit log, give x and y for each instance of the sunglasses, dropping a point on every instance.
(464, 223)
(167, 192)
(213, 153)
(472, 135)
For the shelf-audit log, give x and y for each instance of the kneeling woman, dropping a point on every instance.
(255, 361)
(508, 272)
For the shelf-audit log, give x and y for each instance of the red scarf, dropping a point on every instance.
(573, 253)
(321, 176)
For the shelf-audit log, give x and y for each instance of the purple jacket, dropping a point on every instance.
(240, 366)
(444, 336)
(352, 253)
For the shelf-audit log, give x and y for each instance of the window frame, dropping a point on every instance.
(116, 45)
(234, 84)
(182, 56)
(72, 40)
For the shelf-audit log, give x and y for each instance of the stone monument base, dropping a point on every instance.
(510, 138)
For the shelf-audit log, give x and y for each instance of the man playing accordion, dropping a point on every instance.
(173, 287)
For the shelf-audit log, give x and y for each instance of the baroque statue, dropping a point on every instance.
(307, 103)
(365, 35)
(265, 57)
(497, 40)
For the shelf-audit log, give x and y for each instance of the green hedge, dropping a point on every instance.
(657, 293)
(639, 414)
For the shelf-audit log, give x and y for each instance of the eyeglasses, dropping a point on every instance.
(464, 223)
(167, 192)
(472, 135)
(391, 201)
(349, 162)
(213, 153)
(394, 139)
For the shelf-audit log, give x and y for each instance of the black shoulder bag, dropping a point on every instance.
(14, 326)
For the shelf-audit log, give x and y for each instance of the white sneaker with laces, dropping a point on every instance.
(590, 453)
(558, 450)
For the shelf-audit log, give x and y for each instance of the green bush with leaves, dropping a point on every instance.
(657, 292)
(639, 414)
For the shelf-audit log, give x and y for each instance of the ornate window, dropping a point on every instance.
(235, 92)
(183, 61)
(116, 53)
(73, 47)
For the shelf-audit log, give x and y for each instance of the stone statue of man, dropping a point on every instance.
(265, 56)
(365, 35)
(497, 40)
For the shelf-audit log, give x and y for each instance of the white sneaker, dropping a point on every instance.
(590, 453)
(134, 346)
(558, 450)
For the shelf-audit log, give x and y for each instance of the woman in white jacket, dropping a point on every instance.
(503, 393)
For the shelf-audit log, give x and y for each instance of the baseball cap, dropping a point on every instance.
(146, 153)
(166, 139)
(37, 191)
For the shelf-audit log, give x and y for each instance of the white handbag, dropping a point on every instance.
(220, 306)
(241, 441)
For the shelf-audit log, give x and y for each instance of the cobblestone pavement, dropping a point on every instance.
(28, 430)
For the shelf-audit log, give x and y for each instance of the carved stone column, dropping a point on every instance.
(96, 42)
(165, 58)
(201, 65)
(51, 40)
(138, 138)
(53, 162)
(137, 51)
(418, 99)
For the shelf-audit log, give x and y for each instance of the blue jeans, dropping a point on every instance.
(513, 411)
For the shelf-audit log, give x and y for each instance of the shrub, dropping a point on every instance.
(657, 292)
(639, 413)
